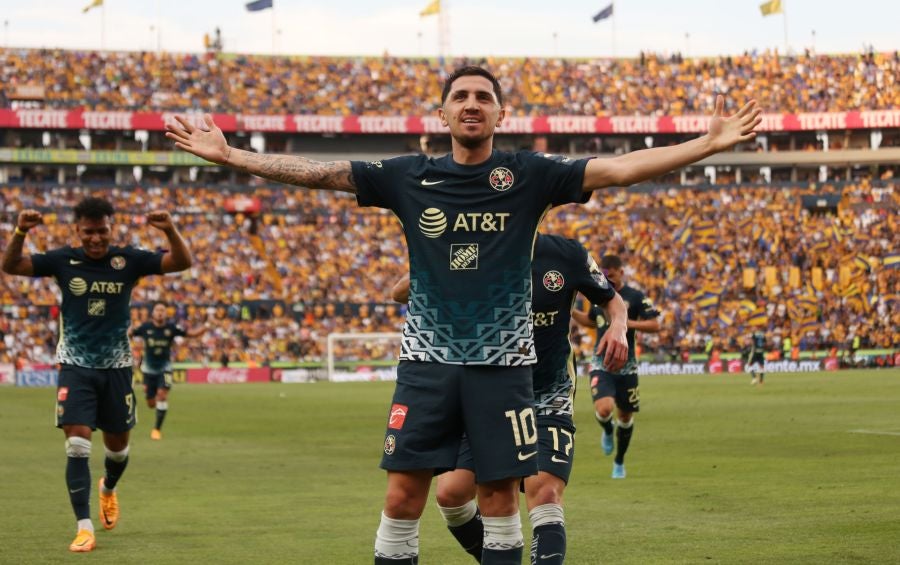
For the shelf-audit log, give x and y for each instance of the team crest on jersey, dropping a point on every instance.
(96, 307)
(554, 281)
(167, 332)
(398, 416)
(432, 223)
(376, 164)
(464, 257)
(78, 286)
(390, 444)
(501, 179)
(117, 262)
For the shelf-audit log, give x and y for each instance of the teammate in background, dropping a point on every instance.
(611, 388)
(95, 358)
(756, 358)
(561, 268)
(157, 336)
(469, 219)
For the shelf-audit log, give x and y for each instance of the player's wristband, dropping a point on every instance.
(20, 231)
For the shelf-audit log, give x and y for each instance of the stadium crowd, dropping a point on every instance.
(719, 261)
(648, 85)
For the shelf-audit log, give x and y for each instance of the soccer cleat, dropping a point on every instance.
(155, 434)
(618, 471)
(109, 507)
(606, 442)
(84, 541)
(753, 381)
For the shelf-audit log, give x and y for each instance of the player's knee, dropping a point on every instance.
(450, 497)
(117, 456)
(403, 504)
(162, 405)
(625, 419)
(458, 515)
(151, 403)
(545, 493)
(604, 407)
(546, 514)
(78, 447)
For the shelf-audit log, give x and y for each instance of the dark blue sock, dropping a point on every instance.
(470, 535)
(623, 438)
(548, 544)
(78, 482)
(114, 470)
(501, 556)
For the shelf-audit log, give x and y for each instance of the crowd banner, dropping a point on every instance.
(288, 123)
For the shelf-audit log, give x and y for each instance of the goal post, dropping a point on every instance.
(370, 356)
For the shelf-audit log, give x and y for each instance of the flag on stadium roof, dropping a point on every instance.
(770, 7)
(258, 5)
(431, 9)
(93, 4)
(603, 14)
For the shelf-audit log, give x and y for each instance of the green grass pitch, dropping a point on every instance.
(803, 470)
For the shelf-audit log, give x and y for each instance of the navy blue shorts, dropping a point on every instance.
(434, 404)
(155, 381)
(97, 398)
(624, 388)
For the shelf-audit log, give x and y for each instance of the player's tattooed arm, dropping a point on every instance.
(206, 140)
(292, 169)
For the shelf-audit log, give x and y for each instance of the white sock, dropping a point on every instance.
(397, 539)
(458, 515)
(85, 524)
(503, 532)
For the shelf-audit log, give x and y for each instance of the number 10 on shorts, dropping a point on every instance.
(523, 426)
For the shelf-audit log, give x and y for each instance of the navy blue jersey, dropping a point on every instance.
(158, 345)
(561, 269)
(96, 294)
(758, 343)
(470, 231)
(639, 308)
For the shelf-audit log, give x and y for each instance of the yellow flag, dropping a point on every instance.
(431, 9)
(770, 7)
(93, 4)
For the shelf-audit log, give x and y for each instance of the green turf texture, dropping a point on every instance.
(718, 472)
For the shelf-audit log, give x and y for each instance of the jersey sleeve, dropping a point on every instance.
(564, 176)
(590, 279)
(146, 262)
(646, 308)
(377, 182)
(46, 264)
(178, 331)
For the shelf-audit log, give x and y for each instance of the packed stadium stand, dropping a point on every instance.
(796, 234)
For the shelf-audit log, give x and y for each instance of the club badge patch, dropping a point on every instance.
(390, 444)
(501, 179)
(117, 262)
(554, 281)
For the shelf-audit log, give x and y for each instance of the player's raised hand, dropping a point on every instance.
(161, 220)
(725, 132)
(614, 347)
(205, 140)
(28, 219)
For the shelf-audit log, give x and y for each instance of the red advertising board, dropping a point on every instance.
(292, 123)
(228, 375)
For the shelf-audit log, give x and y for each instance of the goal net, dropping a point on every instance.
(362, 356)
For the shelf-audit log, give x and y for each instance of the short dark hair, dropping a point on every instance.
(158, 303)
(611, 262)
(471, 70)
(93, 208)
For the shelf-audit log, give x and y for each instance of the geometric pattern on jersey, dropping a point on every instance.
(469, 231)
(493, 332)
(556, 401)
(95, 309)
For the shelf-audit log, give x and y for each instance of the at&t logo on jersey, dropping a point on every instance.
(501, 179)
(432, 222)
(554, 281)
(78, 286)
(464, 257)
